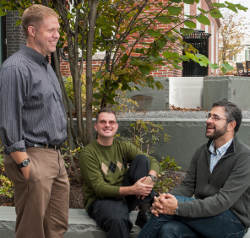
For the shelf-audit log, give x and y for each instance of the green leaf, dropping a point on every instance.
(159, 85)
(124, 58)
(202, 10)
(203, 19)
(231, 6)
(186, 31)
(188, 1)
(226, 67)
(215, 13)
(154, 33)
(176, 1)
(190, 24)
(220, 5)
(164, 19)
(145, 69)
(98, 74)
(2, 13)
(240, 7)
(174, 11)
(214, 66)
(141, 51)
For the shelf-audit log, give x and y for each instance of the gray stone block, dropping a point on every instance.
(235, 89)
(80, 224)
(149, 99)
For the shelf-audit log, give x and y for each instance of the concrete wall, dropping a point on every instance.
(235, 89)
(149, 99)
(186, 135)
(193, 92)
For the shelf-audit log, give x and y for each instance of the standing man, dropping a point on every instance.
(111, 189)
(213, 200)
(32, 128)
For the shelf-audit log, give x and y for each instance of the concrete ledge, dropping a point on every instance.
(80, 225)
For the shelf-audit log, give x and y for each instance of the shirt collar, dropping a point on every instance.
(221, 150)
(34, 55)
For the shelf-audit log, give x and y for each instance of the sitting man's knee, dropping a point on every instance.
(170, 229)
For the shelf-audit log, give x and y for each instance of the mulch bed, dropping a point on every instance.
(76, 194)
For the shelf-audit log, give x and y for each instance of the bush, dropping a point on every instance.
(6, 186)
(145, 134)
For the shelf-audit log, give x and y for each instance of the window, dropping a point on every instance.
(247, 53)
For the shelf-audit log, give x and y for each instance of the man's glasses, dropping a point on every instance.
(215, 117)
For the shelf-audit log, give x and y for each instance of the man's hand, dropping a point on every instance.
(164, 204)
(142, 188)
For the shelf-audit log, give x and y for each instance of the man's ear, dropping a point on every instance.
(231, 125)
(95, 127)
(31, 31)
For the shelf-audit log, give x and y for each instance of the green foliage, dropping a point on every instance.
(6, 186)
(70, 90)
(145, 134)
(166, 178)
(71, 163)
(121, 30)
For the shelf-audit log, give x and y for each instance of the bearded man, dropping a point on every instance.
(213, 199)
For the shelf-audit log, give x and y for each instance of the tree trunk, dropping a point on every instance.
(89, 84)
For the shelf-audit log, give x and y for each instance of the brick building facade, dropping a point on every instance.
(12, 37)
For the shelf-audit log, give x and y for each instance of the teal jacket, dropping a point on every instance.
(95, 159)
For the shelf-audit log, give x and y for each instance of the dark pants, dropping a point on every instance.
(111, 214)
(223, 225)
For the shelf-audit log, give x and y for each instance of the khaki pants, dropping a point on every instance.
(41, 201)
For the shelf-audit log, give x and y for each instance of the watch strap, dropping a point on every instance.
(24, 163)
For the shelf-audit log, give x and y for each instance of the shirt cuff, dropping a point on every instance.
(18, 146)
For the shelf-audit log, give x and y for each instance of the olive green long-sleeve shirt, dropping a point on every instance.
(103, 168)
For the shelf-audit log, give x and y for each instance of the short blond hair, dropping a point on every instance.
(34, 14)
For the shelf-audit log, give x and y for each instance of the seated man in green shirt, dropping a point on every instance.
(117, 177)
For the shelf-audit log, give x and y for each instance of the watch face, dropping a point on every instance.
(25, 163)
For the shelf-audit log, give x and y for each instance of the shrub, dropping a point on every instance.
(6, 186)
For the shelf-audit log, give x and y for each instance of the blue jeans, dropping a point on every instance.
(224, 225)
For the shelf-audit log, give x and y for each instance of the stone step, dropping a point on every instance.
(80, 224)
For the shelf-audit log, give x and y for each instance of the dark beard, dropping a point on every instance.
(217, 133)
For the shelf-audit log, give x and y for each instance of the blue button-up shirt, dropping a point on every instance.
(216, 154)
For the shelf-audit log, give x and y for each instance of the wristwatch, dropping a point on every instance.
(24, 163)
(154, 178)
